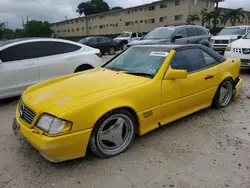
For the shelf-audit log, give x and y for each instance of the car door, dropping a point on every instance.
(103, 44)
(57, 59)
(18, 68)
(183, 96)
(192, 35)
(93, 42)
(183, 33)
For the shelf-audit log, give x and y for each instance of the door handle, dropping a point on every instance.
(209, 77)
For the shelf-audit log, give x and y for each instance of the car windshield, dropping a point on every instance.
(247, 36)
(124, 35)
(160, 33)
(233, 31)
(84, 40)
(141, 61)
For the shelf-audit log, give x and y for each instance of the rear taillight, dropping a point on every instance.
(99, 54)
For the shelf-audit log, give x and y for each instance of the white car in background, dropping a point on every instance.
(228, 35)
(240, 49)
(127, 37)
(24, 62)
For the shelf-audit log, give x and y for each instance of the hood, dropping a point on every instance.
(225, 37)
(139, 42)
(241, 43)
(61, 94)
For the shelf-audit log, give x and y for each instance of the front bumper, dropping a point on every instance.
(58, 148)
(238, 85)
(219, 48)
(245, 59)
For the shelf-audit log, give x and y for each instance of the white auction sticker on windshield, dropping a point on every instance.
(161, 54)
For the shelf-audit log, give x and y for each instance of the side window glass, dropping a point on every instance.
(139, 35)
(202, 31)
(94, 40)
(133, 35)
(182, 32)
(190, 60)
(210, 61)
(192, 31)
(48, 48)
(19, 52)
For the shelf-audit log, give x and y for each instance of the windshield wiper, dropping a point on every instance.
(140, 74)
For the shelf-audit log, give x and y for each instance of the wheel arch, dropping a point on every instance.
(85, 66)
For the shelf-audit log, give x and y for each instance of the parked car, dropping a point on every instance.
(104, 44)
(240, 49)
(127, 37)
(228, 35)
(24, 62)
(139, 90)
(185, 34)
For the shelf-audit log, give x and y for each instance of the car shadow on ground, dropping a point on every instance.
(9, 101)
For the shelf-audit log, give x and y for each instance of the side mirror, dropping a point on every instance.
(178, 36)
(239, 37)
(174, 74)
(1, 61)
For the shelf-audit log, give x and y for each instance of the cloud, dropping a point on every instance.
(12, 11)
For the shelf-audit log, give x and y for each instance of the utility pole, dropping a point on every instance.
(22, 22)
(27, 18)
(66, 17)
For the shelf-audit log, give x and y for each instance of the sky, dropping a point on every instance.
(12, 11)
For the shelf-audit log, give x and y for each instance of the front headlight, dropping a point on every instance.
(229, 47)
(53, 125)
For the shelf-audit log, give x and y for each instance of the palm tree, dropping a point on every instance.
(234, 16)
(2, 25)
(217, 17)
(206, 18)
(192, 18)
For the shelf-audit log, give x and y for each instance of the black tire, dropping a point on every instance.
(83, 68)
(111, 51)
(104, 148)
(217, 103)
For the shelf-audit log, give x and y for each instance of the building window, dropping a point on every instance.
(68, 30)
(82, 28)
(208, 4)
(178, 17)
(68, 23)
(145, 21)
(90, 28)
(150, 21)
(136, 10)
(101, 17)
(127, 23)
(116, 24)
(127, 12)
(136, 22)
(72, 22)
(150, 8)
(107, 25)
(73, 30)
(164, 5)
(76, 21)
(82, 20)
(141, 9)
(179, 2)
(194, 2)
(77, 29)
(141, 21)
(163, 19)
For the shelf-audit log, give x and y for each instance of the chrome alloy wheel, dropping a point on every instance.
(226, 92)
(115, 134)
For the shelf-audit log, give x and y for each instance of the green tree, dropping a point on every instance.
(116, 8)
(206, 18)
(36, 28)
(192, 18)
(234, 16)
(217, 17)
(92, 7)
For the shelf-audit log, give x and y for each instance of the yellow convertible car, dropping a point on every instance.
(139, 90)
